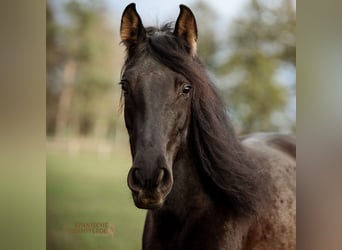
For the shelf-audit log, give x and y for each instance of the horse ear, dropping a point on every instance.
(186, 28)
(132, 30)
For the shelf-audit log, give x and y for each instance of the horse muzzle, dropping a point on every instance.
(145, 200)
(149, 190)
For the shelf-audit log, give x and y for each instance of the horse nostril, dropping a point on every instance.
(164, 180)
(160, 177)
(135, 175)
(134, 179)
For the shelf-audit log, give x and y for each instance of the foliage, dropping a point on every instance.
(207, 45)
(84, 60)
(83, 79)
(262, 41)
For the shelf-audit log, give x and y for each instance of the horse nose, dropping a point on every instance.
(138, 179)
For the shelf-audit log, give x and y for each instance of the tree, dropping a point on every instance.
(207, 45)
(262, 42)
(84, 86)
(54, 60)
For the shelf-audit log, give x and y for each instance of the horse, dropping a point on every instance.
(203, 186)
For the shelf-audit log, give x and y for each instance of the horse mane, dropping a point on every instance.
(233, 176)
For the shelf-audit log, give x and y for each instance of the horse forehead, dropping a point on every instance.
(153, 85)
(154, 77)
(149, 64)
(150, 73)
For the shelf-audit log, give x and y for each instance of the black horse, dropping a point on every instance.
(204, 188)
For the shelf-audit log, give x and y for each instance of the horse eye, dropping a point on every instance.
(124, 87)
(186, 89)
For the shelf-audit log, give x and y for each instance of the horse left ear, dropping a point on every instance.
(186, 28)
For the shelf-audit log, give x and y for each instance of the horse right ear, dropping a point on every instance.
(186, 28)
(132, 30)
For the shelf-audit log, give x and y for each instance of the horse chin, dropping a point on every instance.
(146, 201)
(148, 205)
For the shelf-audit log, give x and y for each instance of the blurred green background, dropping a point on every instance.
(251, 57)
(86, 188)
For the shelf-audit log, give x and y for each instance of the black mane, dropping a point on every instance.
(223, 162)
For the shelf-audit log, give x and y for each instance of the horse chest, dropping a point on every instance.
(201, 234)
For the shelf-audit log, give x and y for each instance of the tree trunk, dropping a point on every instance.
(65, 98)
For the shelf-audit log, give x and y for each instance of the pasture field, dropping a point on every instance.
(88, 188)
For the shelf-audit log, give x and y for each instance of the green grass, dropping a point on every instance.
(88, 188)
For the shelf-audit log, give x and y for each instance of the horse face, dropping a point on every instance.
(157, 114)
(157, 103)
